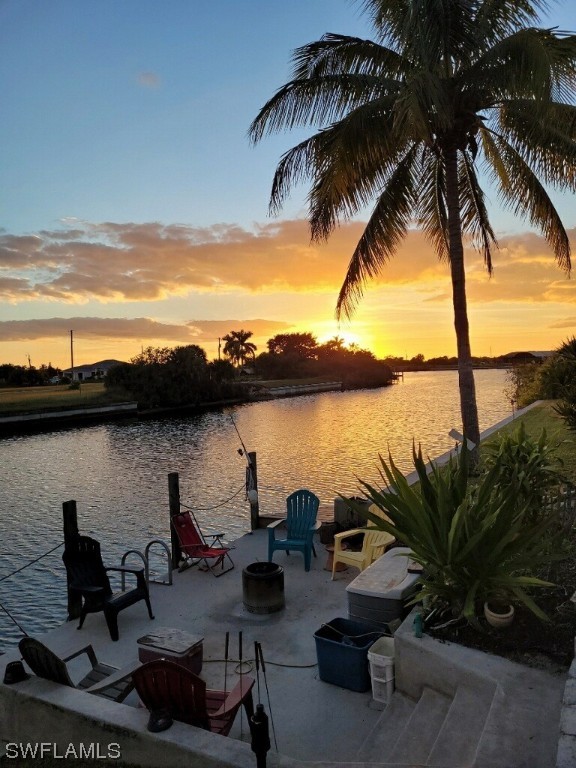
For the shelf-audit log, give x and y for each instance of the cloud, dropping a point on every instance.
(524, 271)
(142, 329)
(149, 80)
(111, 262)
(135, 262)
(569, 322)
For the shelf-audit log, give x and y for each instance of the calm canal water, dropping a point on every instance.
(117, 472)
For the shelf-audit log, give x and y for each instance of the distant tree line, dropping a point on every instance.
(420, 363)
(299, 355)
(27, 375)
(174, 377)
(182, 376)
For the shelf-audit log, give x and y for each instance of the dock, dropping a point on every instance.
(453, 707)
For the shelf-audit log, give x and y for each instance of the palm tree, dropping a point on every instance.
(237, 346)
(404, 121)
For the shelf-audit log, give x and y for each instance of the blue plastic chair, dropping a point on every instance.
(301, 510)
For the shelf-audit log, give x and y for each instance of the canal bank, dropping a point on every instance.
(53, 418)
(65, 416)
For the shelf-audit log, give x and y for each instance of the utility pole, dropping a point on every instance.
(219, 345)
(72, 357)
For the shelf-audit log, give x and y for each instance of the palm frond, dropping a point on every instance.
(423, 106)
(547, 142)
(496, 19)
(318, 101)
(535, 64)
(386, 228)
(474, 215)
(340, 54)
(432, 211)
(341, 187)
(437, 32)
(295, 166)
(521, 190)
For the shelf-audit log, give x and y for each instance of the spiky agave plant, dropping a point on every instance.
(475, 541)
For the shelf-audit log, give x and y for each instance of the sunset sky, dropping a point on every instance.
(134, 211)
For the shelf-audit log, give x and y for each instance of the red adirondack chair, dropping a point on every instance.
(194, 545)
(164, 686)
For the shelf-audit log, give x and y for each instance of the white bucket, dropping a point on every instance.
(381, 660)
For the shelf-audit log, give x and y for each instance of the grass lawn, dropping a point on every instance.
(30, 399)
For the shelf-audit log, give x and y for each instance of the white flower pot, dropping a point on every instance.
(502, 617)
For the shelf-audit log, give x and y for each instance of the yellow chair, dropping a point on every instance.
(374, 544)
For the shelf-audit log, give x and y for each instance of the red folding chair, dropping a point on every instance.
(195, 547)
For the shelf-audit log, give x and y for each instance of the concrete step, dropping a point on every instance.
(458, 738)
(379, 742)
(419, 735)
(522, 728)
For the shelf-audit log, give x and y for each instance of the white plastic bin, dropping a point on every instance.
(381, 660)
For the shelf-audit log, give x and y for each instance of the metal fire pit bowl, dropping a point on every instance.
(263, 588)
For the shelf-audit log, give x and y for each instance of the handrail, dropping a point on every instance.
(123, 562)
(168, 576)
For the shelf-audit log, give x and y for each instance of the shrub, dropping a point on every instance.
(530, 464)
(475, 542)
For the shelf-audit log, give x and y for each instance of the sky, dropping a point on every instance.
(134, 210)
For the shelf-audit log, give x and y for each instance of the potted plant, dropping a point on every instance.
(498, 611)
(475, 540)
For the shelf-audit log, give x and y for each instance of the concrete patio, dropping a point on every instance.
(453, 707)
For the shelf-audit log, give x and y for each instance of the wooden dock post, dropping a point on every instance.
(252, 485)
(174, 502)
(70, 516)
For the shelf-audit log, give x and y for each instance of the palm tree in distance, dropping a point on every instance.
(238, 348)
(404, 121)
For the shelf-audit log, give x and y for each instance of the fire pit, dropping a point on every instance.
(263, 587)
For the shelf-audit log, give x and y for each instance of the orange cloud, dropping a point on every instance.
(130, 262)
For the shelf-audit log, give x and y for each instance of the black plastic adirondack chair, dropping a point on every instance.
(102, 679)
(88, 577)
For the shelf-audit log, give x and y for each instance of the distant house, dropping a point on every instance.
(521, 358)
(91, 371)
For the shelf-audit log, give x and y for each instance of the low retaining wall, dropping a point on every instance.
(305, 389)
(50, 418)
(566, 757)
(424, 662)
(64, 720)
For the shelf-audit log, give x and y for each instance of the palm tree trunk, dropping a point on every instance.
(468, 406)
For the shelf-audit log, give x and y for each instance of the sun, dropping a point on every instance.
(347, 337)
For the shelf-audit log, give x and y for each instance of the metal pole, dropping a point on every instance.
(72, 355)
